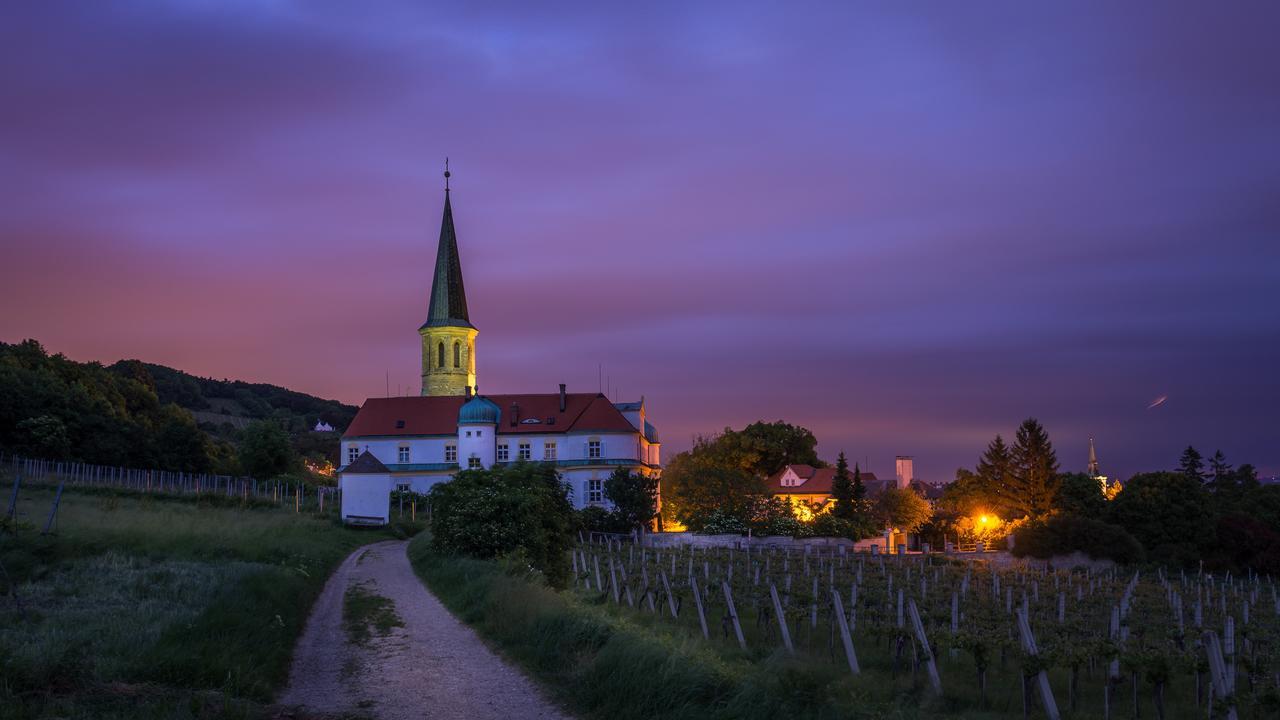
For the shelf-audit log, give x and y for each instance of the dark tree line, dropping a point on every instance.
(141, 415)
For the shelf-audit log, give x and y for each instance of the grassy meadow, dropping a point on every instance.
(146, 606)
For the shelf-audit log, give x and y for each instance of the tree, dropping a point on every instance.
(521, 512)
(902, 508)
(634, 497)
(1191, 464)
(265, 450)
(1080, 495)
(180, 445)
(765, 448)
(725, 474)
(993, 476)
(44, 437)
(1165, 511)
(843, 491)
(1218, 466)
(699, 481)
(1033, 478)
(859, 489)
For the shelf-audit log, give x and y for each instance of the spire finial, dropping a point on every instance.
(446, 173)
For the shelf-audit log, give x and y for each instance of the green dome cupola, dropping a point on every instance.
(479, 411)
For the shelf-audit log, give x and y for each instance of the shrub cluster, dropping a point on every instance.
(521, 510)
(1064, 534)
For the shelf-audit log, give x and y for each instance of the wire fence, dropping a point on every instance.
(69, 474)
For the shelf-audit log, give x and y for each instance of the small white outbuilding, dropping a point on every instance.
(366, 491)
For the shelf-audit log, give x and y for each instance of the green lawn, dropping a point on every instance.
(157, 607)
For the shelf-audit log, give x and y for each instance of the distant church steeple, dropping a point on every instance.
(448, 337)
(1093, 460)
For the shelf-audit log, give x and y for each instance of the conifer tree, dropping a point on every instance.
(859, 490)
(1033, 479)
(1191, 464)
(1219, 466)
(993, 472)
(842, 490)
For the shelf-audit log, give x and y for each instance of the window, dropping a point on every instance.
(549, 451)
(403, 456)
(451, 453)
(457, 354)
(468, 433)
(479, 433)
(593, 449)
(525, 453)
(504, 452)
(595, 491)
(473, 463)
(353, 453)
(440, 355)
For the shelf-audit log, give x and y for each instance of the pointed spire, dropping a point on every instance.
(1093, 460)
(448, 297)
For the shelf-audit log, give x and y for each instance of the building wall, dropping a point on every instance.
(474, 441)
(366, 495)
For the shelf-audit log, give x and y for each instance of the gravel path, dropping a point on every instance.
(433, 667)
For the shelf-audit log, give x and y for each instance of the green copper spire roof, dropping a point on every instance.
(448, 298)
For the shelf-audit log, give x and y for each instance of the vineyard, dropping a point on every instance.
(978, 634)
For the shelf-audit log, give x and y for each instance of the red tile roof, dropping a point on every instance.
(439, 415)
(817, 481)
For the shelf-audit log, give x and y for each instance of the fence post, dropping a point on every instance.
(697, 600)
(13, 499)
(782, 619)
(838, 608)
(53, 512)
(733, 615)
(928, 653)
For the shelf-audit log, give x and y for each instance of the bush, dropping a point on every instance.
(828, 525)
(597, 519)
(1061, 535)
(720, 522)
(493, 513)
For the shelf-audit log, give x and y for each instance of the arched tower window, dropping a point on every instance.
(440, 355)
(457, 354)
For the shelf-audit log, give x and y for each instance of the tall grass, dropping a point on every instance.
(179, 596)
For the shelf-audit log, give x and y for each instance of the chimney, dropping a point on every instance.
(561, 397)
(515, 414)
(905, 471)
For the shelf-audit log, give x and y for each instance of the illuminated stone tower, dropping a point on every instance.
(448, 337)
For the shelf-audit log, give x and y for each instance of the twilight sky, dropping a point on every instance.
(904, 228)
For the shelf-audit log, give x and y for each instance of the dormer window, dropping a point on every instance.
(399, 424)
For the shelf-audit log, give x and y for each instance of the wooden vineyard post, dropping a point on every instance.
(12, 513)
(595, 560)
(697, 600)
(955, 622)
(930, 665)
(53, 512)
(297, 500)
(733, 615)
(613, 582)
(1029, 646)
(845, 638)
(1218, 672)
(671, 599)
(782, 619)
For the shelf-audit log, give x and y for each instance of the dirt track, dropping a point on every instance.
(433, 667)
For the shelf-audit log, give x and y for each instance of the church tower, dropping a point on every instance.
(448, 337)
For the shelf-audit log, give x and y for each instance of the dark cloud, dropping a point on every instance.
(905, 229)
